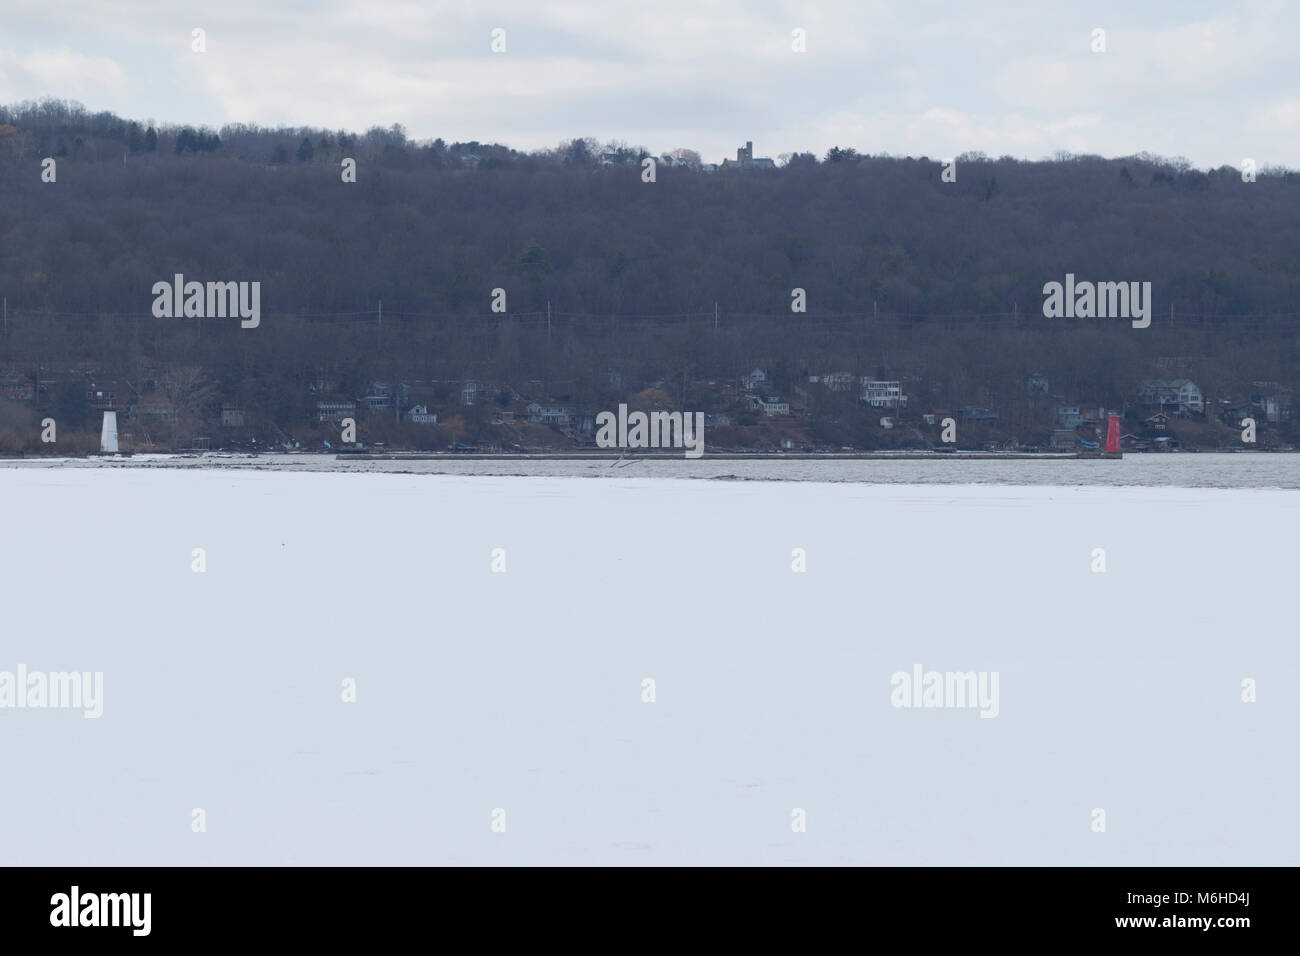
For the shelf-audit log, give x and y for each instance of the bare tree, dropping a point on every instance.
(187, 389)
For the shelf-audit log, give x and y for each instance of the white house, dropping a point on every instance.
(754, 381)
(420, 415)
(880, 394)
(773, 405)
(551, 414)
(1180, 396)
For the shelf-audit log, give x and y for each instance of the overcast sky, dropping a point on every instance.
(1212, 81)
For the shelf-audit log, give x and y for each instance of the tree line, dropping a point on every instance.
(906, 276)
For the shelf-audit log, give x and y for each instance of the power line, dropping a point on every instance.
(541, 313)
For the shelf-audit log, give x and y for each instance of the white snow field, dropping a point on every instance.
(523, 691)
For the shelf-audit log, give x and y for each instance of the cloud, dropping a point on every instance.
(1283, 115)
(1201, 80)
(67, 73)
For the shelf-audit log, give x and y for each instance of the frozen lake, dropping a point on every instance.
(523, 690)
(1187, 470)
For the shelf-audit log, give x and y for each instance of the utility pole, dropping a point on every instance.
(548, 321)
(379, 340)
(715, 316)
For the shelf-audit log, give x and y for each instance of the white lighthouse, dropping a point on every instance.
(108, 435)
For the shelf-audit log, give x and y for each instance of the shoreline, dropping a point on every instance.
(733, 456)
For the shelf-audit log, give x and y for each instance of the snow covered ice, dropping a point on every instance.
(480, 691)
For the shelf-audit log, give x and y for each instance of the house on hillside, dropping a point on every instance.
(1274, 402)
(335, 410)
(754, 381)
(1068, 416)
(1178, 396)
(420, 415)
(880, 394)
(1277, 408)
(1093, 414)
(1234, 412)
(382, 396)
(553, 413)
